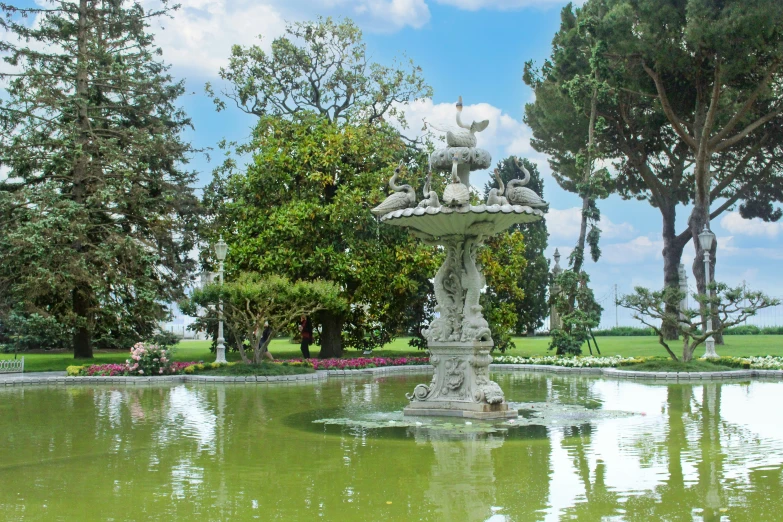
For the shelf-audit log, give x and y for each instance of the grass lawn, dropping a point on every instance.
(736, 345)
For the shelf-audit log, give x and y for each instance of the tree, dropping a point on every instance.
(532, 278)
(720, 97)
(281, 221)
(731, 305)
(503, 263)
(574, 155)
(320, 67)
(579, 313)
(97, 212)
(652, 161)
(250, 300)
(323, 151)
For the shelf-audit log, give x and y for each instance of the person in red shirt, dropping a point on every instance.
(306, 328)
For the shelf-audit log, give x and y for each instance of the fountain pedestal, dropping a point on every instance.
(460, 385)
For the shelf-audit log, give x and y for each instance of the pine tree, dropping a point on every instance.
(96, 211)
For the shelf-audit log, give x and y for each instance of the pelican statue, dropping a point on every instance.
(404, 196)
(518, 194)
(496, 196)
(457, 193)
(430, 196)
(465, 135)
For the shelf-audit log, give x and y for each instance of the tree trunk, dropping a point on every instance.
(82, 339)
(331, 336)
(673, 245)
(580, 242)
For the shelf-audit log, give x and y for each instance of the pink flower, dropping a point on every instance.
(141, 372)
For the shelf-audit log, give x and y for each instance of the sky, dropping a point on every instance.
(475, 49)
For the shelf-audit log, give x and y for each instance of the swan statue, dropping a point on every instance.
(518, 194)
(430, 196)
(404, 196)
(457, 193)
(465, 135)
(496, 196)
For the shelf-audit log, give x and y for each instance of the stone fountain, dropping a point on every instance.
(459, 337)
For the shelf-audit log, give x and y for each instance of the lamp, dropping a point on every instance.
(221, 249)
(706, 238)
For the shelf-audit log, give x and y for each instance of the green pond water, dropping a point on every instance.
(583, 449)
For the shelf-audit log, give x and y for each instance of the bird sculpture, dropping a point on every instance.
(430, 196)
(465, 135)
(518, 194)
(404, 196)
(457, 193)
(496, 196)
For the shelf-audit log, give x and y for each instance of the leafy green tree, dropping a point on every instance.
(97, 213)
(579, 313)
(320, 67)
(532, 279)
(250, 300)
(653, 163)
(322, 152)
(732, 306)
(724, 105)
(282, 222)
(503, 264)
(573, 102)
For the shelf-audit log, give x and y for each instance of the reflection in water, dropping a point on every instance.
(704, 452)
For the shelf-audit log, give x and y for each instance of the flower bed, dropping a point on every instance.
(359, 363)
(571, 362)
(756, 363)
(145, 360)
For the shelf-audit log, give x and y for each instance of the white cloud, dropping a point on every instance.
(736, 224)
(564, 224)
(639, 250)
(475, 5)
(199, 36)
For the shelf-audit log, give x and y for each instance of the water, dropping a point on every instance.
(619, 451)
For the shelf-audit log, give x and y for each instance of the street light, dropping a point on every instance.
(221, 249)
(705, 240)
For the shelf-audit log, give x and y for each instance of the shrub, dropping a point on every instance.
(73, 371)
(624, 331)
(35, 332)
(742, 330)
(772, 330)
(164, 338)
(148, 359)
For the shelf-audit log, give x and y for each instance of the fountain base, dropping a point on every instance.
(460, 386)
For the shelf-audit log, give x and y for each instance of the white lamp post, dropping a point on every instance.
(705, 240)
(221, 249)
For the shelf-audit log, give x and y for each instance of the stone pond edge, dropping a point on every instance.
(320, 375)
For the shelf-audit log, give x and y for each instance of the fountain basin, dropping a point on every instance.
(446, 221)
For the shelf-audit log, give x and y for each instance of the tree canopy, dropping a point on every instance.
(97, 211)
(532, 277)
(249, 300)
(322, 152)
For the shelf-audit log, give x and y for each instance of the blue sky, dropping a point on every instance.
(476, 49)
